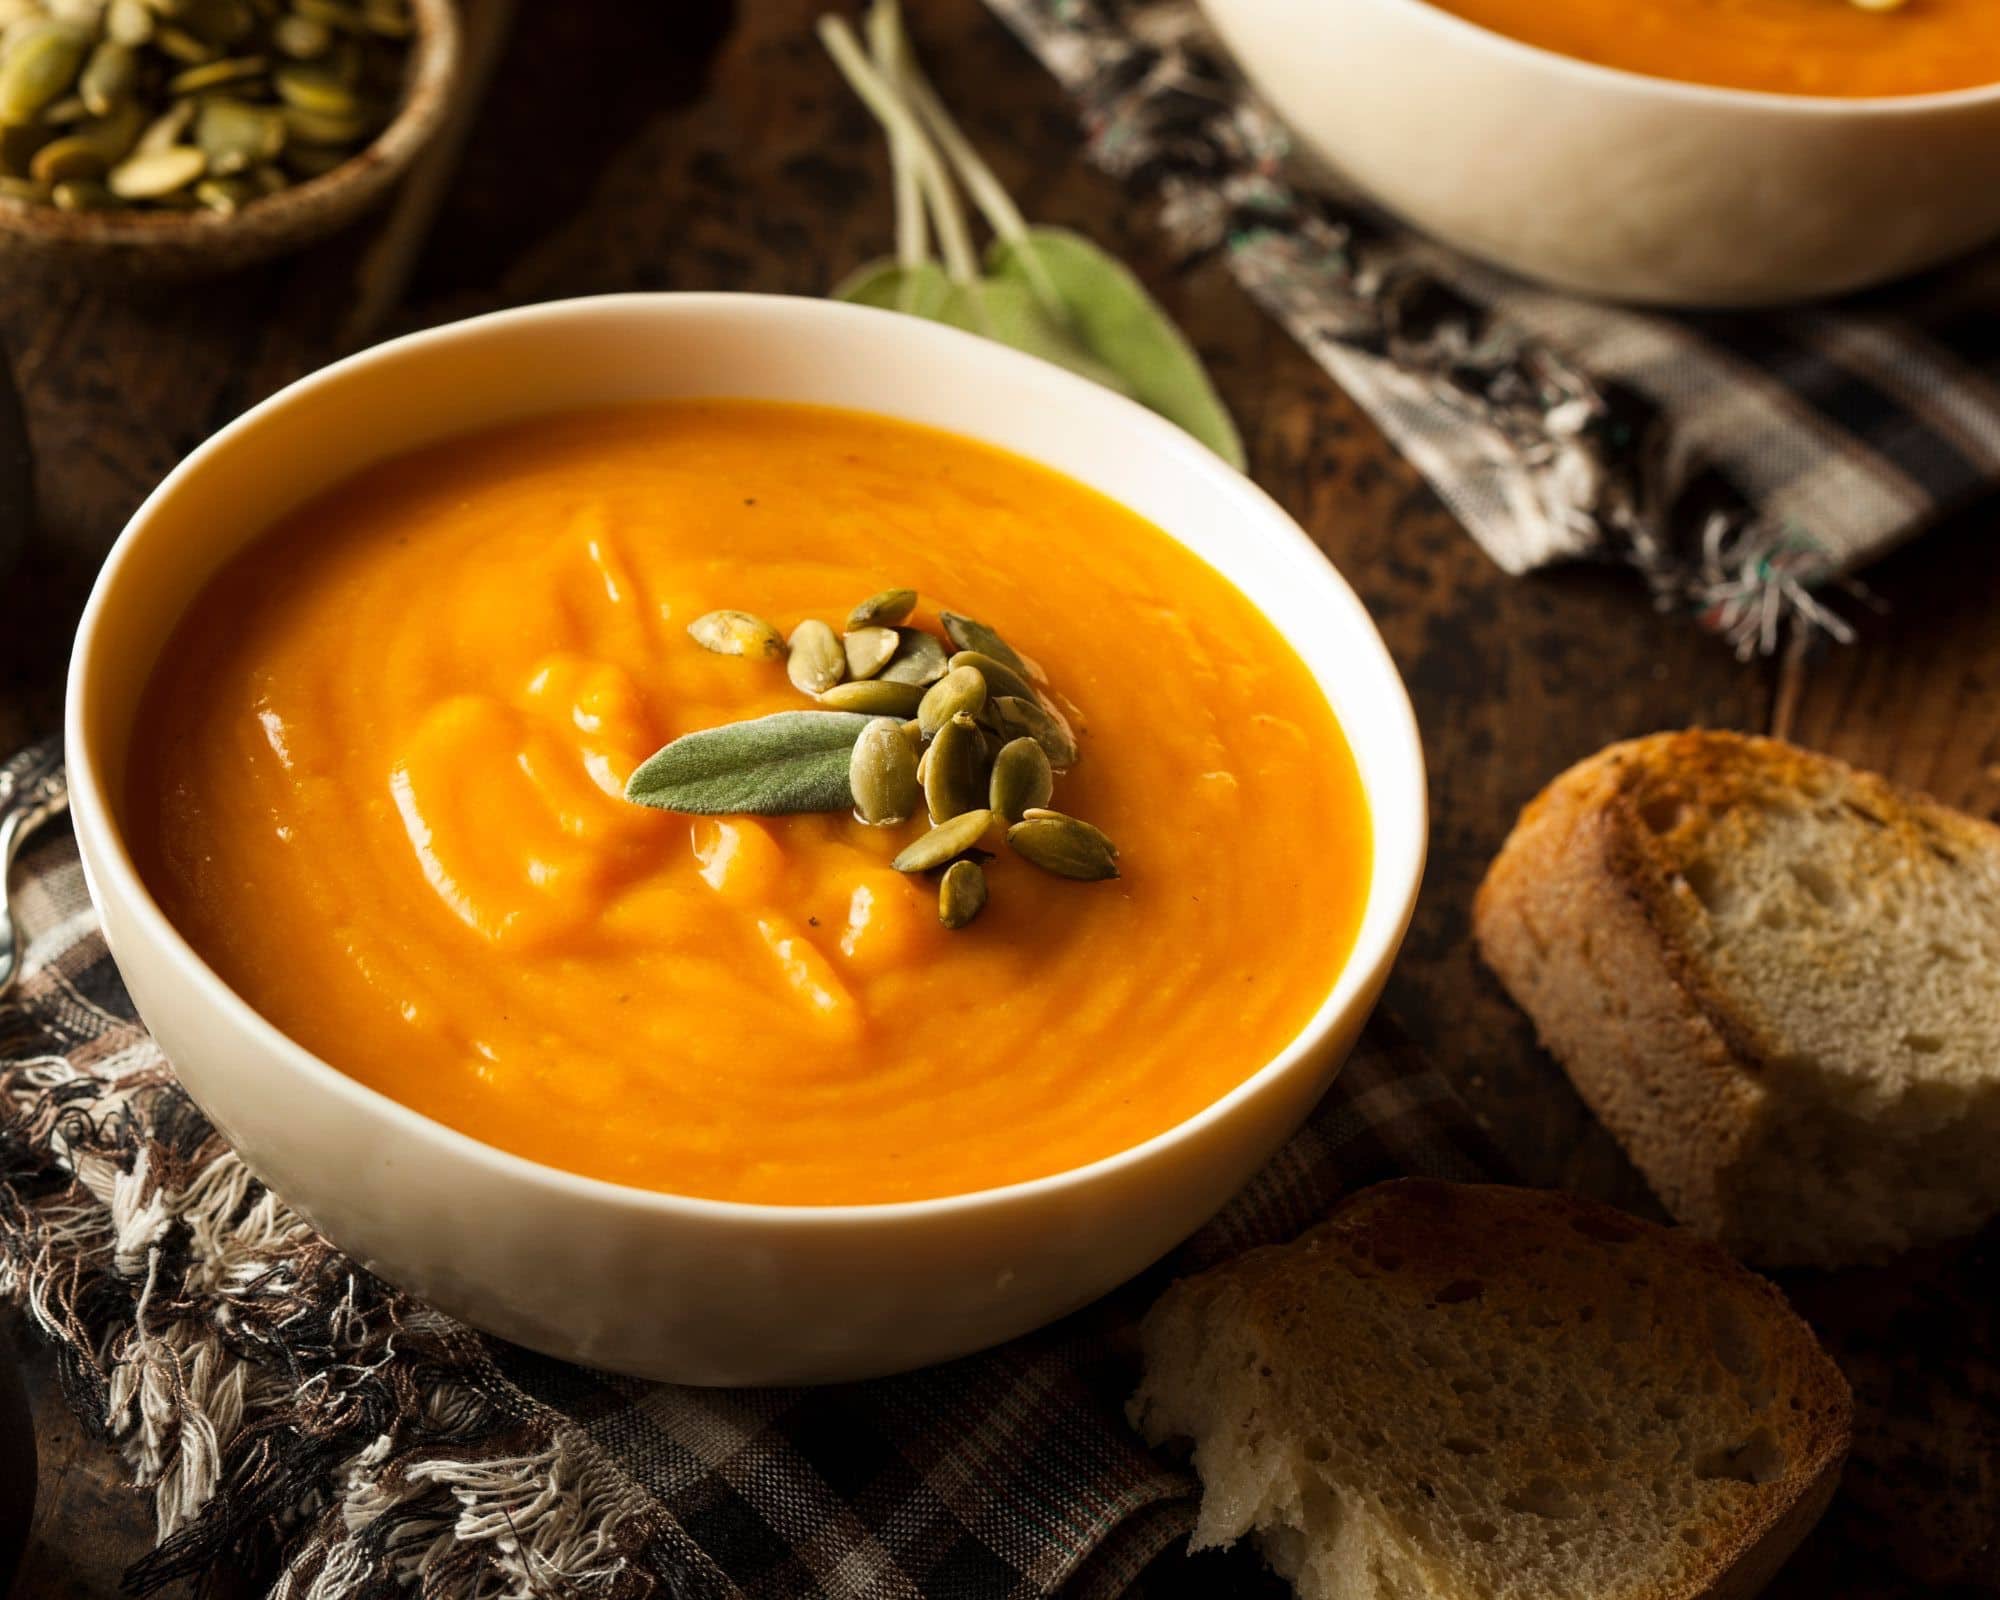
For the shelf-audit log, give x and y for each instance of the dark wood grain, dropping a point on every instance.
(704, 146)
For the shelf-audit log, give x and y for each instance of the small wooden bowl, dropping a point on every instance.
(163, 246)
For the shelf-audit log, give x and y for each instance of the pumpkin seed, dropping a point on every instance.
(868, 650)
(1067, 846)
(316, 90)
(108, 76)
(75, 156)
(945, 841)
(816, 662)
(955, 774)
(961, 893)
(736, 633)
(882, 773)
(968, 633)
(151, 174)
(1000, 678)
(963, 689)
(316, 127)
(129, 22)
(876, 698)
(883, 610)
(1022, 779)
(1017, 717)
(167, 129)
(919, 659)
(216, 74)
(39, 67)
(183, 46)
(301, 38)
(235, 135)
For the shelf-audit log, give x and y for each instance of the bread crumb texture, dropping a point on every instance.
(1455, 1392)
(1776, 979)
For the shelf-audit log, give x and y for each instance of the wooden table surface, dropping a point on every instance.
(704, 146)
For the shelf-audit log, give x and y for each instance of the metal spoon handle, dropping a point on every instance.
(34, 786)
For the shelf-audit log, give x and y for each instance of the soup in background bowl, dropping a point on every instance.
(405, 1014)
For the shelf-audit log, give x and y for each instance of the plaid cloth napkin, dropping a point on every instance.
(291, 1413)
(1744, 464)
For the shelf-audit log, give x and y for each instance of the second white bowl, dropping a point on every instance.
(1617, 185)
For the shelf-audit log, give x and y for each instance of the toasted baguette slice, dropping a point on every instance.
(1453, 1392)
(1777, 981)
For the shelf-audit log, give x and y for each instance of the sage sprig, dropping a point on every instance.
(787, 762)
(1052, 293)
(972, 734)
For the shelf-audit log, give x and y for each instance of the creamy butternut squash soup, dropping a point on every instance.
(378, 781)
(1812, 47)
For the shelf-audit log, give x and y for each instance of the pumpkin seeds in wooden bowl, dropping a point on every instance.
(971, 738)
(167, 139)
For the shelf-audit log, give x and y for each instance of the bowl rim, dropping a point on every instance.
(1692, 90)
(433, 69)
(1396, 877)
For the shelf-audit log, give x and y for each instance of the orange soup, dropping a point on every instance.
(1815, 47)
(378, 783)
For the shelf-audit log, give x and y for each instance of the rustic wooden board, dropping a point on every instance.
(697, 146)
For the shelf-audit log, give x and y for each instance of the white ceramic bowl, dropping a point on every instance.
(1629, 187)
(693, 1290)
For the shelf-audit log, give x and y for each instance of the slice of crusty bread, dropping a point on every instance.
(1458, 1392)
(1777, 981)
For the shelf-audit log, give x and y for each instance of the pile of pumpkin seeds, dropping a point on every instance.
(186, 104)
(961, 726)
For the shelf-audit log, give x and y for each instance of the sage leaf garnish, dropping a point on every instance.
(771, 766)
(1045, 291)
(1121, 326)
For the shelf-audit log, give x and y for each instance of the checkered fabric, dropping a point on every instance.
(1745, 464)
(288, 1410)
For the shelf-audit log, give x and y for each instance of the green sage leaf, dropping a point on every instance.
(766, 767)
(1120, 325)
(1002, 310)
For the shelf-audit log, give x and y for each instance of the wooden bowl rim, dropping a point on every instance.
(434, 56)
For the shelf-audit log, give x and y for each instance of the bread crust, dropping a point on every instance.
(1588, 918)
(1449, 1230)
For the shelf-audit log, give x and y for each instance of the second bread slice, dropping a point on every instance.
(1461, 1392)
(1777, 981)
